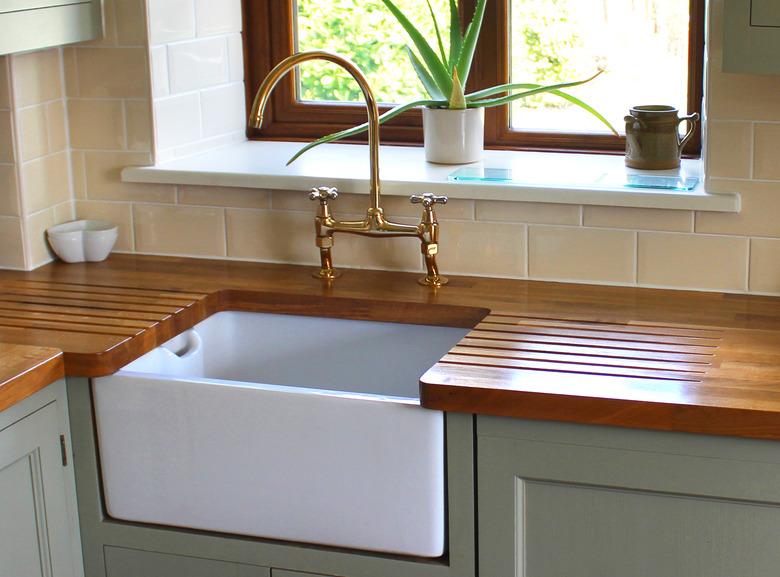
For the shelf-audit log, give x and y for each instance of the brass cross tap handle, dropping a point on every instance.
(324, 193)
(428, 199)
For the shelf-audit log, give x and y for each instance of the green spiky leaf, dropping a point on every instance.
(425, 78)
(470, 42)
(436, 68)
(456, 36)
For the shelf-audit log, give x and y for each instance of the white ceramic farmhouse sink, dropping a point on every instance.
(284, 427)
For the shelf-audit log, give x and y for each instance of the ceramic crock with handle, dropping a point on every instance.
(652, 137)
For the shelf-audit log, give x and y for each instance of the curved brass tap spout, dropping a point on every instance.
(261, 98)
(375, 223)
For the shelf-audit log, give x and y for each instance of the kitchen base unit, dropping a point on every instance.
(180, 552)
(38, 525)
(595, 501)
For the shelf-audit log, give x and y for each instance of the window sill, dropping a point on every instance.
(544, 177)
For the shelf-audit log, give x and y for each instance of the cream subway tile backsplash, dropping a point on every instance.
(757, 217)
(64, 212)
(528, 212)
(78, 174)
(581, 254)
(481, 248)
(235, 57)
(692, 261)
(130, 22)
(7, 155)
(179, 230)
(173, 119)
(56, 119)
(46, 182)
(224, 197)
(9, 192)
(36, 77)
(138, 125)
(764, 265)
(5, 86)
(99, 124)
(42, 130)
(222, 110)
(33, 132)
(158, 61)
(120, 213)
(102, 170)
(214, 17)
(12, 255)
(197, 54)
(198, 146)
(170, 20)
(749, 97)
(637, 218)
(70, 68)
(197, 63)
(270, 236)
(111, 73)
(35, 230)
(355, 251)
(298, 200)
(766, 161)
(733, 159)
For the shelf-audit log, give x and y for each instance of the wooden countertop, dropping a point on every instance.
(657, 359)
(25, 370)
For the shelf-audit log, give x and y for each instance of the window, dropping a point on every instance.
(657, 44)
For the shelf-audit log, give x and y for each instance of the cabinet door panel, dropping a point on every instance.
(554, 500)
(23, 548)
(581, 530)
(34, 511)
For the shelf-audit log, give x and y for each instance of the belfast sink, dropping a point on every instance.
(286, 427)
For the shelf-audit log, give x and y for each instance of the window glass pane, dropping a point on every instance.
(368, 34)
(641, 44)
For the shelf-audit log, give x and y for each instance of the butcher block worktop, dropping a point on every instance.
(25, 370)
(655, 359)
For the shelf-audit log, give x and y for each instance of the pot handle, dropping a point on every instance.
(692, 119)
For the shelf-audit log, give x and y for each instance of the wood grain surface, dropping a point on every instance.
(650, 358)
(25, 370)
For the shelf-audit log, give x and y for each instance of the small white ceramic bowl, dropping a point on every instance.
(83, 240)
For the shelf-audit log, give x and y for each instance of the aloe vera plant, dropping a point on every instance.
(444, 77)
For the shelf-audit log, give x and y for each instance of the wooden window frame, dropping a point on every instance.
(268, 39)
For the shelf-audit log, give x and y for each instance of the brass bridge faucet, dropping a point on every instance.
(375, 223)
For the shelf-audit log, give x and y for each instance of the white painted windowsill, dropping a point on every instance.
(588, 179)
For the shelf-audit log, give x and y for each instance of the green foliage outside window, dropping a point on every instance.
(367, 33)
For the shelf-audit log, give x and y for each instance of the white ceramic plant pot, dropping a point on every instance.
(453, 136)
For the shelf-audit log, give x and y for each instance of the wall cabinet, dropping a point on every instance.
(585, 500)
(38, 527)
(751, 36)
(33, 24)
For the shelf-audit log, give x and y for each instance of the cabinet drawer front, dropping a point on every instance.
(122, 562)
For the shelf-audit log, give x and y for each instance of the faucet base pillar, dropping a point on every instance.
(433, 280)
(326, 274)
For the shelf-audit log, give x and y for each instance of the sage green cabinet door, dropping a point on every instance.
(556, 499)
(121, 562)
(35, 528)
(33, 24)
